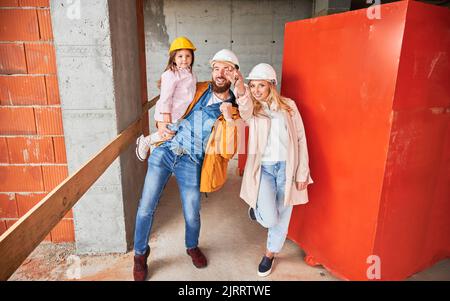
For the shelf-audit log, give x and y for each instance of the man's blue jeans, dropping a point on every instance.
(161, 164)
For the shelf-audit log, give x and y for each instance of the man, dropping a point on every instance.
(187, 154)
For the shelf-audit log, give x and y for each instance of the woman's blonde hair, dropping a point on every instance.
(280, 102)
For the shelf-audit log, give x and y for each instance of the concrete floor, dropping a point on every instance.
(233, 244)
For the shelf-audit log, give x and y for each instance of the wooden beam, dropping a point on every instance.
(26, 234)
(149, 104)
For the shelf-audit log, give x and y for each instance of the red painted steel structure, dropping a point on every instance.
(374, 95)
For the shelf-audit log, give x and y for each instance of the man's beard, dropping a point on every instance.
(226, 86)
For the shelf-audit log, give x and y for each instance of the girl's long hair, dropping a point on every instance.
(171, 64)
(274, 97)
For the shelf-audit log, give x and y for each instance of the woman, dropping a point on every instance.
(276, 173)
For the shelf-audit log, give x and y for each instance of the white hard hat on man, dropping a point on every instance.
(261, 71)
(225, 56)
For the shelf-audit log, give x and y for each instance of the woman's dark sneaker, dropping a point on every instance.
(265, 266)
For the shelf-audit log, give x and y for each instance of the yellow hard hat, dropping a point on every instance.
(181, 43)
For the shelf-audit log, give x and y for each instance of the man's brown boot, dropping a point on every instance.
(140, 269)
(198, 259)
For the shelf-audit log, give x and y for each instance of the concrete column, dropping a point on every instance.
(97, 54)
(328, 7)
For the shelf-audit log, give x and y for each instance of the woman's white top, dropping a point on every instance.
(277, 142)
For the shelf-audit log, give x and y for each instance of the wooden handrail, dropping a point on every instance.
(27, 233)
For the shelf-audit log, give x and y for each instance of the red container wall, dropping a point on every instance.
(345, 72)
(414, 220)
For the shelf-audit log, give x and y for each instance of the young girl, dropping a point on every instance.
(177, 84)
(276, 172)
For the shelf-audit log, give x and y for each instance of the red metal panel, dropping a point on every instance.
(414, 225)
(343, 71)
(424, 74)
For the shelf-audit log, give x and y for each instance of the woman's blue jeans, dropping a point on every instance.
(161, 164)
(270, 211)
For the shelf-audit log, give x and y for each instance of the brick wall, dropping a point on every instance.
(32, 152)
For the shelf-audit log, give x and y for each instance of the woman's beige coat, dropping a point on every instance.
(297, 167)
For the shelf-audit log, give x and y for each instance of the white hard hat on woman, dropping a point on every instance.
(263, 71)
